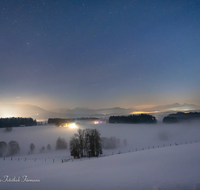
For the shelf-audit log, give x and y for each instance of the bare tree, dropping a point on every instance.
(86, 142)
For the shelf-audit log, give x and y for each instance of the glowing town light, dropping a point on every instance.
(7, 115)
(98, 122)
(72, 125)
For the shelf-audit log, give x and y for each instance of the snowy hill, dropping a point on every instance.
(150, 167)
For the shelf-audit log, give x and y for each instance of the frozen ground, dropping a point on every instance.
(150, 167)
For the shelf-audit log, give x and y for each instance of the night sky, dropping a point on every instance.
(99, 54)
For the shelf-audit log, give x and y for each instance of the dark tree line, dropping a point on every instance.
(16, 122)
(58, 121)
(181, 116)
(86, 142)
(169, 119)
(142, 118)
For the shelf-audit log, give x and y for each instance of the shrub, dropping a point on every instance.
(3, 148)
(8, 129)
(32, 147)
(13, 148)
(49, 147)
(42, 149)
(61, 144)
(125, 142)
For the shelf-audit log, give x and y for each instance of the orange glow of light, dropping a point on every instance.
(70, 125)
(143, 112)
(7, 115)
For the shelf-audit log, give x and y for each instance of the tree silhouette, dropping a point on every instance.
(61, 143)
(3, 148)
(32, 147)
(13, 147)
(86, 142)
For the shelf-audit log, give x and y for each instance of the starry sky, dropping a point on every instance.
(99, 53)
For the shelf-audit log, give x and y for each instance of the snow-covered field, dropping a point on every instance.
(156, 157)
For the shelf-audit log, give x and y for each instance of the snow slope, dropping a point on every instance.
(166, 167)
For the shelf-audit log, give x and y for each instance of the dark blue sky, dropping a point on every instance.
(99, 53)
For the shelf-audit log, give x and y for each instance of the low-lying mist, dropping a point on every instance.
(138, 136)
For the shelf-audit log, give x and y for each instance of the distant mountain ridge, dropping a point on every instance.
(36, 112)
(174, 107)
(27, 110)
(104, 111)
(24, 110)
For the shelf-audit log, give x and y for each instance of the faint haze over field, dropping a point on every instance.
(99, 54)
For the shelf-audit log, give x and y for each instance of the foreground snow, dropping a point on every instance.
(166, 167)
